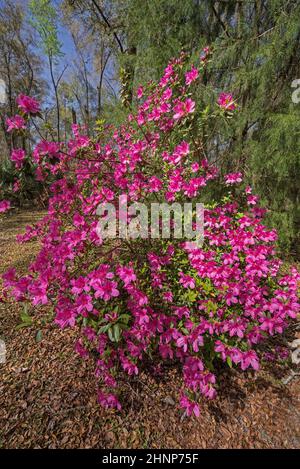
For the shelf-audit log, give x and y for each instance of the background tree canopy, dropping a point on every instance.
(100, 50)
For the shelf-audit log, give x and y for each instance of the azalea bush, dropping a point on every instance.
(18, 187)
(18, 181)
(164, 299)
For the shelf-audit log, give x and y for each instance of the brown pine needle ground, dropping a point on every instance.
(48, 394)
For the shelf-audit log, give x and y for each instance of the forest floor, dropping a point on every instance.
(48, 394)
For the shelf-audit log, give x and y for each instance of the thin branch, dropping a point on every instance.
(61, 75)
(109, 25)
(220, 19)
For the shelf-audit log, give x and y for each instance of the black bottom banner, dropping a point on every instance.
(138, 457)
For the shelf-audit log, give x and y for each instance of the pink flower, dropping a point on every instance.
(235, 355)
(16, 186)
(18, 156)
(65, 318)
(168, 296)
(140, 92)
(233, 178)
(80, 349)
(186, 281)
(191, 75)
(27, 104)
(189, 406)
(84, 303)
(79, 285)
(126, 274)
(220, 348)
(38, 292)
(108, 400)
(166, 351)
(181, 150)
(9, 276)
(183, 342)
(106, 290)
(155, 184)
(17, 122)
(4, 206)
(90, 334)
(225, 101)
(182, 109)
(78, 219)
(128, 365)
(249, 359)
(167, 94)
(252, 199)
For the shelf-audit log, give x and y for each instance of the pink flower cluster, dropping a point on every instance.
(28, 105)
(4, 206)
(163, 299)
(15, 123)
(226, 101)
(18, 157)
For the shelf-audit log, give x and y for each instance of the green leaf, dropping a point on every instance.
(23, 324)
(117, 332)
(85, 321)
(229, 362)
(25, 316)
(210, 306)
(104, 328)
(191, 296)
(26, 320)
(110, 335)
(124, 318)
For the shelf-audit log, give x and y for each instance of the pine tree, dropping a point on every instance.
(256, 57)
